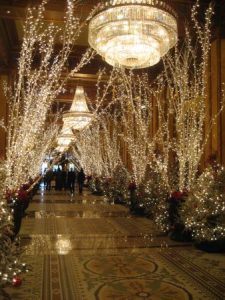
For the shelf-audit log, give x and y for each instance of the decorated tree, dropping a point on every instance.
(37, 85)
(10, 266)
(186, 74)
(204, 210)
(38, 81)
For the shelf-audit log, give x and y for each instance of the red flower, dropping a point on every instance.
(22, 195)
(25, 186)
(9, 195)
(132, 186)
(178, 196)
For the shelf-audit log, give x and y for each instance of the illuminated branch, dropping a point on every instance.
(185, 75)
(36, 87)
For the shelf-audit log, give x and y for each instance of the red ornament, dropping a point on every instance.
(17, 281)
(178, 196)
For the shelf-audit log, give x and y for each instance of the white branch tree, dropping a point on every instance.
(39, 81)
(186, 78)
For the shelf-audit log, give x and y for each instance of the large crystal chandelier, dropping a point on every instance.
(133, 33)
(79, 115)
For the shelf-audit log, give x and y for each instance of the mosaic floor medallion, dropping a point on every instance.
(120, 266)
(137, 289)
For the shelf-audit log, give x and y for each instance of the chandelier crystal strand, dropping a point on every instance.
(133, 33)
(65, 138)
(79, 115)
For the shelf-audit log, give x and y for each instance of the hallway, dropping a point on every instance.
(84, 248)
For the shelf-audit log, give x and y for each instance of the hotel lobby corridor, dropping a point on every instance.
(84, 248)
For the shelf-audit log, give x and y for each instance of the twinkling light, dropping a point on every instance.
(30, 97)
(10, 266)
(204, 210)
(161, 130)
(30, 103)
(187, 96)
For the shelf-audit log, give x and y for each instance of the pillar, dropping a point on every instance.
(3, 115)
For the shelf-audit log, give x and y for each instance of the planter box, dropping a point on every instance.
(211, 246)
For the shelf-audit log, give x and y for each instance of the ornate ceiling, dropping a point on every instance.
(12, 16)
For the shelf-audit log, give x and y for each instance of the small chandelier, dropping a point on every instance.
(64, 139)
(133, 33)
(79, 115)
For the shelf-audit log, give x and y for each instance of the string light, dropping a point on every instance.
(31, 102)
(30, 99)
(180, 93)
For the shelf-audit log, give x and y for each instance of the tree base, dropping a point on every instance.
(180, 234)
(138, 210)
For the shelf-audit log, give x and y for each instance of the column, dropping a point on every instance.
(3, 115)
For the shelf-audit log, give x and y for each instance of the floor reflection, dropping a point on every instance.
(82, 247)
(87, 214)
(63, 245)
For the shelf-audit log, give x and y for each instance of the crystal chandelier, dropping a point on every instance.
(64, 139)
(66, 136)
(79, 115)
(63, 142)
(133, 33)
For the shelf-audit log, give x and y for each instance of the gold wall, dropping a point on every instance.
(216, 141)
(3, 115)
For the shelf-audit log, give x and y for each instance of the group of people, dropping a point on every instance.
(64, 180)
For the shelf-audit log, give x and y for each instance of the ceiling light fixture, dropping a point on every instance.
(133, 33)
(79, 115)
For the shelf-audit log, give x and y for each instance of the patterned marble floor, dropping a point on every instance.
(83, 248)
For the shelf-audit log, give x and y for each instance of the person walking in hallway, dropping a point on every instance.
(64, 178)
(71, 180)
(58, 180)
(80, 180)
(48, 177)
